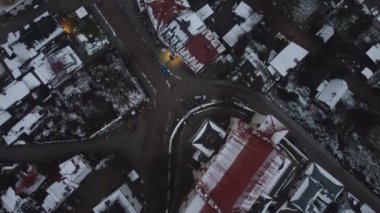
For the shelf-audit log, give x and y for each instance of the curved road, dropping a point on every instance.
(146, 148)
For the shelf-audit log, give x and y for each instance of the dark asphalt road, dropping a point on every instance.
(146, 149)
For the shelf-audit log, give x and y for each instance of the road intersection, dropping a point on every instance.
(147, 147)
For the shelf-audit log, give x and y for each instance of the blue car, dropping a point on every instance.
(164, 70)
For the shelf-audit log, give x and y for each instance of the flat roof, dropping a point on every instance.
(288, 58)
(13, 93)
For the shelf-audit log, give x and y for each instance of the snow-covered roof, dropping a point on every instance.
(306, 193)
(288, 58)
(251, 22)
(367, 73)
(75, 169)
(61, 62)
(10, 200)
(232, 181)
(270, 127)
(326, 32)
(133, 176)
(278, 175)
(12, 38)
(58, 192)
(31, 81)
(208, 133)
(243, 10)
(21, 54)
(49, 37)
(250, 17)
(332, 187)
(180, 30)
(183, 31)
(205, 12)
(4, 117)
(366, 209)
(233, 36)
(124, 196)
(25, 125)
(330, 93)
(73, 172)
(81, 12)
(374, 53)
(195, 203)
(7, 7)
(13, 93)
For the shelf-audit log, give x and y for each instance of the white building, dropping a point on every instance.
(205, 12)
(326, 33)
(316, 191)
(331, 92)
(251, 19)
(73, 172)
(4, 117)
(122, 196)
(367, 73)
(287, 59)
(13, 93)
(208, 134)
(25, 126)
(55, 65)
(10, 201)
(14, 7)
(374, 53)
(19, 52)
(75, 169)
(246, 168)
(58, 192)
(81, 12)
(268, 125)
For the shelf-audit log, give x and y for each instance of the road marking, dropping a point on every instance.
(105, 20)
(145, 77)
(167, 82)
(177, 77)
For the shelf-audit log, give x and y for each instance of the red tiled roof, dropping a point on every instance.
(249, 154)
(201, 50)
(164, 11)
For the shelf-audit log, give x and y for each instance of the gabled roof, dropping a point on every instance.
(201, 50)
(330, 93)
(240, 171)
(208, 135)
(288, 58)
(270, 127)
(26, 125)
(183, 31)
(75, 169)
(326, 32)
(374, 53)
(124, 196)
(13, 93)
(162, 12)
(306, 194)
(178, 31)
(332, 186)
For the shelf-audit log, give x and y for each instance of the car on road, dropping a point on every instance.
(200, 97)
(164, 70)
